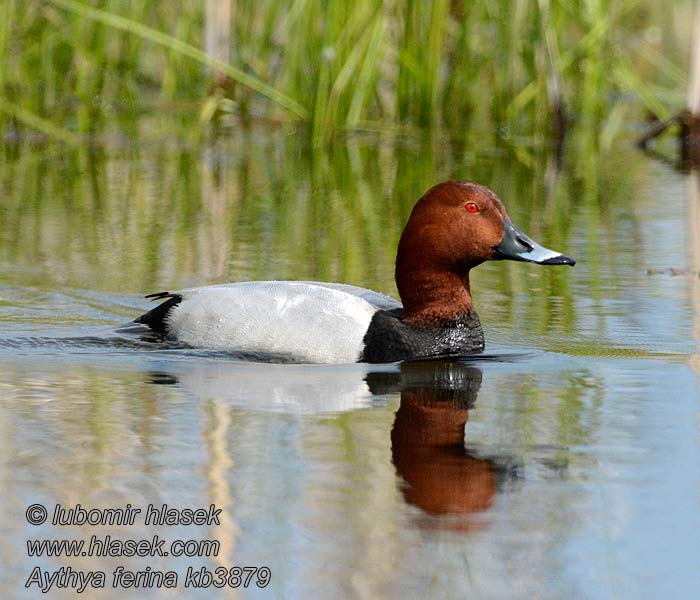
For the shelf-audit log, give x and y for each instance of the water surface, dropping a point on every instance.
(563, 464)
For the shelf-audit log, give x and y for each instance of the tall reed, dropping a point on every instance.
(89, 67)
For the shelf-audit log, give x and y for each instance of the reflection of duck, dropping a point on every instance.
(440, 475)
(454, 227)
(298, 389)
(427, 441)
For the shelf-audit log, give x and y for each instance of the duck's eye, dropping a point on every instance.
(471, 207)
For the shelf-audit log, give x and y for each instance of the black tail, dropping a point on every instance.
(155, 319)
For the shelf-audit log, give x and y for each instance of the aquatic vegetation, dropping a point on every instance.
(513, 70)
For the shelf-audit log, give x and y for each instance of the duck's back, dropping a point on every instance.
(299, 320)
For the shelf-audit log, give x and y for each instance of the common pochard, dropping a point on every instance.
(454, 227)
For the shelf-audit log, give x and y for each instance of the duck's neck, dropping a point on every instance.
(433, 297)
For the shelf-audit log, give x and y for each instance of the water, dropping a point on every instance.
(562, 464)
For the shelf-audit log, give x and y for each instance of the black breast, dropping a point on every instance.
(389, 339)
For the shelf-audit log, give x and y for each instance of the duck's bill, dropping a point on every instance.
(515, 245)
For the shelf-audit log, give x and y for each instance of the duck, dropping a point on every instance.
(454, 227)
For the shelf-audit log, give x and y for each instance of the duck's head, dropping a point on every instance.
(454, 227)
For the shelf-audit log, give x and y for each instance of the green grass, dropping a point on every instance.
(89, 68)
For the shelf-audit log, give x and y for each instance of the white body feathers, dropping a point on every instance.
(303, 320)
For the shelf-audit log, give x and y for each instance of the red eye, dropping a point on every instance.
(471, 207)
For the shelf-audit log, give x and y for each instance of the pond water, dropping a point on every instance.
(564, 463)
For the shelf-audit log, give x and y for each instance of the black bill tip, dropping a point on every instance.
(562, 259)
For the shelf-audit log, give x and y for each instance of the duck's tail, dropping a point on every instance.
(155, 318)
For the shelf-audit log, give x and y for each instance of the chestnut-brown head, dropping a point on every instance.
(454, 227)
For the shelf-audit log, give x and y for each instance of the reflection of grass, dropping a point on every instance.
(87, 66)
(265, 206)
(597, 349)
